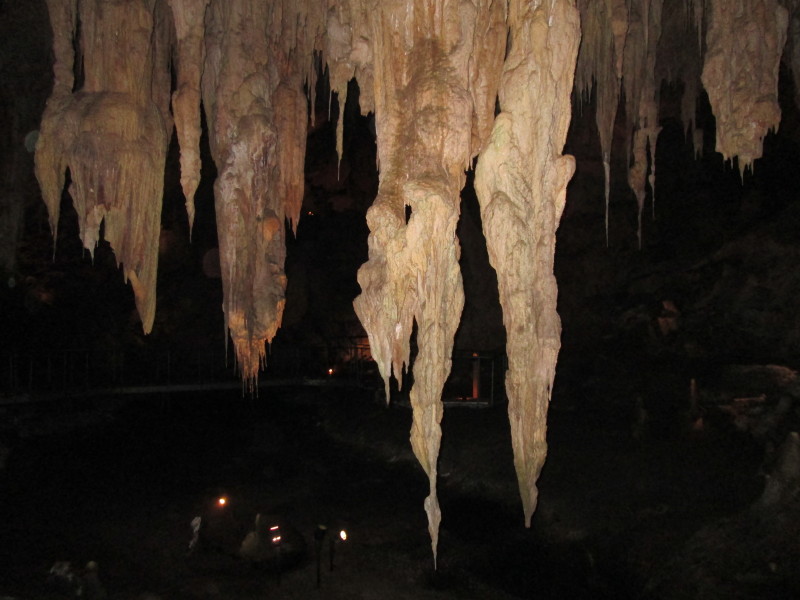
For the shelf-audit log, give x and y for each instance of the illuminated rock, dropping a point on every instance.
(521, 180)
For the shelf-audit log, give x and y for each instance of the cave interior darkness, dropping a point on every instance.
(647, 330)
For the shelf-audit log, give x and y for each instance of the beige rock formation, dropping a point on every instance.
(111, 134)
(257, 57)
(432, 104)
(189, 16)
(744, 43)
(521, 180)
(641, 93)
(604, 28)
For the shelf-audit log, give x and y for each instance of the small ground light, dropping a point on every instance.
(222, 501)
(275, 531)
(330, 371)
(342, 537)
(276, 534)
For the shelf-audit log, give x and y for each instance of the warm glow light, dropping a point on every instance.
(274, 528)
(222, 501)
(343, 535)
(330, 371)
(276, 539)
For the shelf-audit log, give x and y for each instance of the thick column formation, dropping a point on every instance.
(521, 180)
(427, 93)
(110, 134)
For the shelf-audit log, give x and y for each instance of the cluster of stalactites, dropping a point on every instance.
(739, 61)
(248, 62)
(112, 132)
(604, 27)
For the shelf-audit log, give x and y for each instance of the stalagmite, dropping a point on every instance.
(427, 93)
(521, 181)
(744, 44)
(188, 16)
(110, 134)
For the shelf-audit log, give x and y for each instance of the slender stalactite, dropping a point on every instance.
(642, 96)
(189, 16)
(521, 181)
(604, 28)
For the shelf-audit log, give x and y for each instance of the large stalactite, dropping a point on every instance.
(111, 133)
(521, 180)
(257, 57)
(430, 100)
(744, 42)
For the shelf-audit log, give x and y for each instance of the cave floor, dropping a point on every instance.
(617, 516)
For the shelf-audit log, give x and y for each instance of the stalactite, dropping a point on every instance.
(189, 16)
(604, 29)
(521, 181)
(425, 82)
(257, 57)
(744, 43)
(348, 51)
(641, 92)
(111, 134)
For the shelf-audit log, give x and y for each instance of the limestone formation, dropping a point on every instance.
(600, 67)
(744, 42)
(521, 181)
(431, 103)
(109, 133)
(257, 57)
(189, 16)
